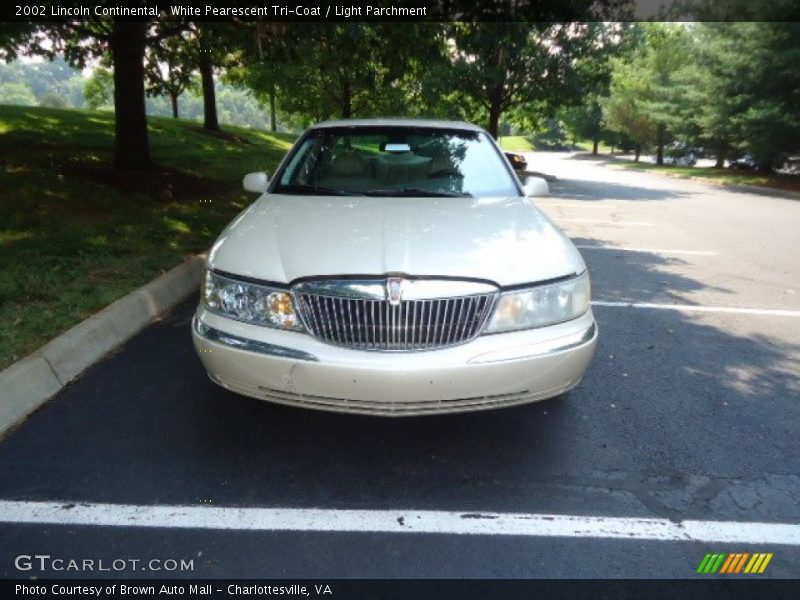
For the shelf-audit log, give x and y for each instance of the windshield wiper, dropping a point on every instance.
(317, 190)
(417, 192)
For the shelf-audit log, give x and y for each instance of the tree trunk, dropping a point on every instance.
(660, 142)
(209, 95)
(494, 119)
(496, 98)
(595, 146)
(347, 99)
(131, 149)
(764, 168)
(720, 164)
(273, 122)
(174, 99)
(638, 152)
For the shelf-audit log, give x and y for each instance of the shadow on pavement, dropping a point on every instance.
(619, 275)
(587, 190)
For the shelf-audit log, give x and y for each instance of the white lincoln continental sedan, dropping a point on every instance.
(395, 267)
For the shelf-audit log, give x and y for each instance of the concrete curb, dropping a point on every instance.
(33, 380)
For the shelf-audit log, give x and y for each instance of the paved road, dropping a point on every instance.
(684, 415)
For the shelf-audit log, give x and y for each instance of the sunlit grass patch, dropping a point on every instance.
(723, 176)
(516, 143)
(77, 234)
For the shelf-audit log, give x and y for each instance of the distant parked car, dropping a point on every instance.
(680, 154)
(791, 164)
(518, 162)
(687, 160)
(743, 162)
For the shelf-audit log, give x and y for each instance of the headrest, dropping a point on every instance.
(346, 164)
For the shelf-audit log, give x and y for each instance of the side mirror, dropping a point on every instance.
(535, 186)
(255, 182)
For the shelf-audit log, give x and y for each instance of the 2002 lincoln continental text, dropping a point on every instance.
(395, 267)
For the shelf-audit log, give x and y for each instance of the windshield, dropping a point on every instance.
(396, 161)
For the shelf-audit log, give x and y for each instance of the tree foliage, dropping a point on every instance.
(507, 65)
(606, 41)
(642, 92)
(319, 71)
(734, 87)
(99, 89)
(170, 68)
(760, 88)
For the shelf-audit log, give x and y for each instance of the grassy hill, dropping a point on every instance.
(76, 234)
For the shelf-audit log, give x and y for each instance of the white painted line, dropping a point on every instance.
(649, 250)
(396, 521)
(768, 312)
(579, 205)
(596, 222)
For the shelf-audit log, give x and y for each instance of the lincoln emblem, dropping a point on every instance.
(394, 290)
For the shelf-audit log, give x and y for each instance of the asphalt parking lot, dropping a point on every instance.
(689, 413)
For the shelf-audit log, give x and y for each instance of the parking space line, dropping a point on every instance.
(395, 521)
(648, 250)
(596, 222)
(577, 205)
(767, 312)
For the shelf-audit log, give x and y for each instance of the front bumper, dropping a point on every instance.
(490, 371)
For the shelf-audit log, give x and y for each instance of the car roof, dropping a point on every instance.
(398, 122)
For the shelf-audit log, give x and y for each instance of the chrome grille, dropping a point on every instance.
(377, 324)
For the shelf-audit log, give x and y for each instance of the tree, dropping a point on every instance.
(265, 63)
(709, 104)
(765, 89)
(624, 110)
(17, 93)
(509, 64)
(127, 42)
(584, 118)
(53, 83)
(212, 44)
(664, 53)
(740, 90)
(644, 94)
(323, 70)
(122, 40)
(170, 69)
(99, 88)
(585, 121)
(644, 100)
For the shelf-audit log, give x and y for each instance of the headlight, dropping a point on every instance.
(257, 304)
(541, 305)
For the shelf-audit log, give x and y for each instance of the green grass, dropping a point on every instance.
(76, 234)
(723, 176)
(586, 146)
(515, 143)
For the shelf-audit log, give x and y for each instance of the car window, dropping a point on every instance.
(396, 161)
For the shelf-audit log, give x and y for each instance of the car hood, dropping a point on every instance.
(282, 238)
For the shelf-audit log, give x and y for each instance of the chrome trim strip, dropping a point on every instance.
(375, 289)
(234, 341)
(391, 405)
